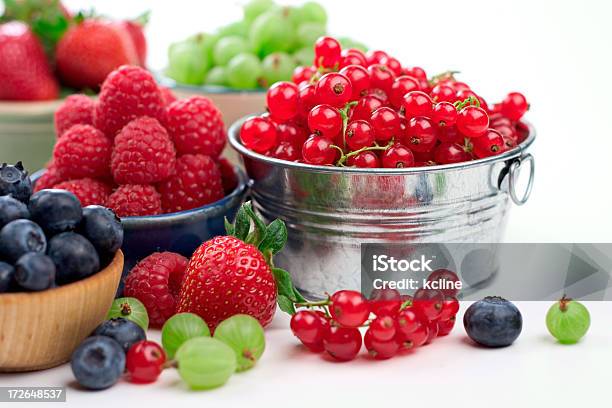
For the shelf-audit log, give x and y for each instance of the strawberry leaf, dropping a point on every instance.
(286, 305)
(229, 227)
(275, 237)
(242, 225)
(260, 228)
(284, 285)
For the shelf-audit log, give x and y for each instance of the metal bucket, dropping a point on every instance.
(331, 211)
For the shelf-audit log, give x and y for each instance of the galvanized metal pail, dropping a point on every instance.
(331, 211)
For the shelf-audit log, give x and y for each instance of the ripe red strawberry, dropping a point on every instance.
(136, 33)
(197, 182)
(155, 281)
(196, 126)
(90, 50)
(25, 74)
(229, 275)
(127, 93)
(76, 110)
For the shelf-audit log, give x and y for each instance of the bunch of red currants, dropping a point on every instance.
(393, 323)
(367, 110)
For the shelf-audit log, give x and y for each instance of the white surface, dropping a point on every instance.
(558, 54)
(534, 371)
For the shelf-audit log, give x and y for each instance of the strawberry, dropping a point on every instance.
(25, 74)
(232, 274)
(136, 33)
(90, 50)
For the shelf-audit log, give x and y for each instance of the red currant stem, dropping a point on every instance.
(320, 303)
(345, 157)
(450, 74)
(170, 364)
(345, 118)
(406, 304)
(470, 100)
(341, 154)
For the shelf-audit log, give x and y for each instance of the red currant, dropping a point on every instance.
(381, 77)
(386, 124)
(417, 103)
(397, 156)
(420, 74)
(317, 150)
(291, 133)
(432, 332)
(380, 350)
(400, 87)
(359, 78)
(365, 107)
(334, 89)
(443, 93)
(383, 328)
(303, 74)
(310, 329)
(393, 64)
(365, 159)
(444, 114)
(258, 134)
(359, 133)
(349, 308)
(428, 302)
(446, 326)
(472, 121)
(514, 106)
(459, 86)
(282, 99)
(385, 302)
(509, 135)
(327, 52)
(421, 135)
(352, 56)
(450, 307)
(449, 152)
(447, 280)
(375, 57)
(342, 343)
(490, 144)
(416, 338)
(407, 322)
(286, 151)
(306, 101)
(449, 134)
(145, 361)
(325, 120)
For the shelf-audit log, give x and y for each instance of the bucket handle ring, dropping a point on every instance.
(513, 171)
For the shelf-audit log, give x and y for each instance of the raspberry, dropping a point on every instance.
(83, 151)
(228, 175)
(143, 153)
(127, 93)
(197, 182)
(87, 190)
(196, 126)
(167, 95)
(50, 178)
(156, 281)
(76, 110)
(133, 200)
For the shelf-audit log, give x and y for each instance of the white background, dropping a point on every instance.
(559, 54)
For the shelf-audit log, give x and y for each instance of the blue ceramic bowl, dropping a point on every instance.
(180, 232)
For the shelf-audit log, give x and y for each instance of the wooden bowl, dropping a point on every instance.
(41, 330)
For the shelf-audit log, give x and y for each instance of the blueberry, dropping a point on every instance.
(74, 257)
(98, 363)
(55, 211)
(493, 322)
(20, 237)
(124, 331)
(7, 273)
(12, 209)
(102, 228)
(14, 181)
(35, 271)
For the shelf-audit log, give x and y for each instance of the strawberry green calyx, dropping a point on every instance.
(269, 239)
